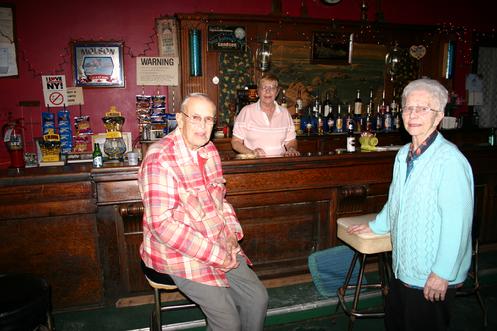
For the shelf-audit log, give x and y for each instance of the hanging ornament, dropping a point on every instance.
(263, 54)
(392, 62)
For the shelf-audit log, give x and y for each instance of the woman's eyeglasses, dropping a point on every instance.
(420, 110)
(197, 119)
(269, 88)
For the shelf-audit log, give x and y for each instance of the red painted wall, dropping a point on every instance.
(45, 28)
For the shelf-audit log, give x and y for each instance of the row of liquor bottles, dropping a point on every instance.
(334, 117)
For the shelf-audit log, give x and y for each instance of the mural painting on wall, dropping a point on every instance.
(291, 63)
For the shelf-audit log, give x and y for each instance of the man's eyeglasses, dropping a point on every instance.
(420, 110)
(269, 88)
(197, 119)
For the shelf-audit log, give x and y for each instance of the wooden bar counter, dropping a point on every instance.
(80, 228)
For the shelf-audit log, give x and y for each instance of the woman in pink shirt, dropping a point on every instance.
(264, 128)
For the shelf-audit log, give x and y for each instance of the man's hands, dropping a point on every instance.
(233, 249)
(435, 288)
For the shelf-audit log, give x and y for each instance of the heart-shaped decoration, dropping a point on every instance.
(417, 52)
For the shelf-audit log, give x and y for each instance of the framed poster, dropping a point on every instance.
(167, 36)
(98, 64)
(331, 48)
(8, 55)
(226, 38)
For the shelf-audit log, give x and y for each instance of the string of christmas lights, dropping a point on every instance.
(464, 35)
(60, 67)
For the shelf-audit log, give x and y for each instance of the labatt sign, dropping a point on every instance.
(54, 90)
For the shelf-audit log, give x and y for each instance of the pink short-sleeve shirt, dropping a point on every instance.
(253, 126)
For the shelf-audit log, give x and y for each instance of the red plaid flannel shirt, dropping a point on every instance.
(186, 217)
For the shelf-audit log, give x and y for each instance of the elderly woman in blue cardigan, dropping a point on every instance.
(428, 215)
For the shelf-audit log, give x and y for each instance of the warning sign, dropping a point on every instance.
(54, 90)
(157, 71)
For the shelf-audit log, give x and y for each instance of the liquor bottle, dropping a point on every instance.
(371, 100)
(316, 106)
(387, 120)
(394, 106)
(378, 120)
(348, 119)
(358, 104)
(284, 103)
(383, 104)
(327, 105)
(350, 139)
(98, 161)
(320, 123)
(396, 116)
(316, 109)
(299, 114)
(339, 120)
(296, 123)
(330, 122)
(396, 120)
(299, 103)
(359, 123)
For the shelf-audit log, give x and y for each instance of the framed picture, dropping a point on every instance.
(98, 64)
(8, 55)
(167, 36)
(226, 38)
(331, 48)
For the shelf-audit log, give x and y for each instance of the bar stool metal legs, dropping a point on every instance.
(161, 282)
(156, 316)
(382, 285)
(475, 288)
(364, 245)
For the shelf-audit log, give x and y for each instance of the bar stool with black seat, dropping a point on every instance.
(161, 282)
(364, 245)
(24, 303)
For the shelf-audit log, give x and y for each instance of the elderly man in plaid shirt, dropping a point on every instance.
(190, 231)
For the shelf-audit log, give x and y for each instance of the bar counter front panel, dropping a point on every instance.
(81, 228)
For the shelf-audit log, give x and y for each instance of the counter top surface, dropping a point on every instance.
(79, 172)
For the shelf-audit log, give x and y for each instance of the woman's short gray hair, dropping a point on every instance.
(436, 90)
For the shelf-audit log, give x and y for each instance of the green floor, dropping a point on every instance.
(292, 308)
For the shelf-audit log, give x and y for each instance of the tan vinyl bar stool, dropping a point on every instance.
(161, 282)
(364, 245)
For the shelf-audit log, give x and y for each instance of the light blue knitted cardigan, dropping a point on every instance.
(429, 215)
